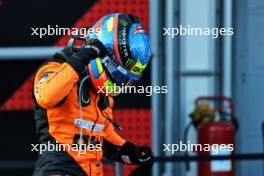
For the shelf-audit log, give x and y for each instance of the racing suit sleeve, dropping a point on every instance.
(53, 82)
(110, 134)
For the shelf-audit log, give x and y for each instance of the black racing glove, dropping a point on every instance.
(131, 154)
(91, 50)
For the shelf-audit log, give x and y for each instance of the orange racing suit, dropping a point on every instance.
(57, 115)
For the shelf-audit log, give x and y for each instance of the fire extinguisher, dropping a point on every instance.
(218, 134)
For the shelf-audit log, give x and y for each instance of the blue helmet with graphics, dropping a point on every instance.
(128, 50)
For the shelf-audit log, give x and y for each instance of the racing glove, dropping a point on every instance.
(91, 50)
(132, 154)
(128, 153)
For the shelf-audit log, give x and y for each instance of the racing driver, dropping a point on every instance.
(72, 112)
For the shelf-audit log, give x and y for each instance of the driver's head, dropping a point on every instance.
(128, 51)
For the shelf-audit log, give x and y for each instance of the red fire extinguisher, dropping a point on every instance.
(218, 134)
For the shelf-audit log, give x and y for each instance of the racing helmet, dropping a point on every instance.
(128, 52)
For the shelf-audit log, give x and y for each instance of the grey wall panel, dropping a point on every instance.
(249, 80)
